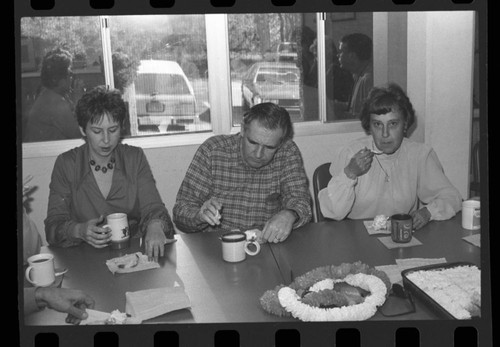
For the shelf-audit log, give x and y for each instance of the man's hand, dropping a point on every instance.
(209, 212)
(279, 226)
(70, 301)
(420, 217)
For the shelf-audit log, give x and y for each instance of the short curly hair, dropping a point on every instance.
(385, 99)
(100, 101)
(55, 67)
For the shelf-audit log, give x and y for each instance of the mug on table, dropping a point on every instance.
(471, 214)
(235, 246)
(120, 234)
(40, 270)
(401, 228)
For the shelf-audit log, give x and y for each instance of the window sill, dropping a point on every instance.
(54, 148)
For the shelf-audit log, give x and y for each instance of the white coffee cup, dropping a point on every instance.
(471, 213)
(120, 234)
(40, 270)
(235, 246)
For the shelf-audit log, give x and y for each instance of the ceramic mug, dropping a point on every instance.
(235, 246)
(40, 270)
(401, 228)
(471, 213)
(120, 234)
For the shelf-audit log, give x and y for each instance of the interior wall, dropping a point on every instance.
(440, 76)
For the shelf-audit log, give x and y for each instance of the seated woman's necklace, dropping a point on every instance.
(385, 172)
(104, 168)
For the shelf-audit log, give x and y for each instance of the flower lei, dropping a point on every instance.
(310, 296)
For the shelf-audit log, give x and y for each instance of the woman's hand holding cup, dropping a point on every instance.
(359, 164)
(92, 234)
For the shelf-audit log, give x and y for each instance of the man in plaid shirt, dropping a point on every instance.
(254, 179)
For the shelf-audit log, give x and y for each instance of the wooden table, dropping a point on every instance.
(219, 291)
(229, 292)
(347, 241)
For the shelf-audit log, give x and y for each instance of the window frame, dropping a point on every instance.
(220, 98)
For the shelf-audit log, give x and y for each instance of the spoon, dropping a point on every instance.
(376, 152)
(60, 272)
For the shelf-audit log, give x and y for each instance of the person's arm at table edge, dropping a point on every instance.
(296, 195)
(198, 179)
(435, 190)
(336, 200)
(60, 229)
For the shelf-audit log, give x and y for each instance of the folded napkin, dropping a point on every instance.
(393, 271)
(474, 239)
(387, 241)
(149, 303)
(371, 231)
(104, 318)
(131, 263)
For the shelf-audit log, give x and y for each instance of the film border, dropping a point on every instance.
(317, 334)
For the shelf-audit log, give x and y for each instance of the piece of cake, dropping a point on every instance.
(380, 222)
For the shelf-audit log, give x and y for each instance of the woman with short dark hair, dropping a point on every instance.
(384, 172)
(101, 177)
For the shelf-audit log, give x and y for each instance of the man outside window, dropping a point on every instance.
(355, 55)
(254, 179)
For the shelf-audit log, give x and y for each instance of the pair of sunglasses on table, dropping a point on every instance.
(398, 303)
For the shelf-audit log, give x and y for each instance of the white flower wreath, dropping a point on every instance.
(291, 301)
(314, 296)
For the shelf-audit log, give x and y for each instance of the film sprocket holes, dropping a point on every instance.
(266, 331)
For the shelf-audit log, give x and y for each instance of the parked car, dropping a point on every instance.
(287, 51)
(164, 95)
(276, 82)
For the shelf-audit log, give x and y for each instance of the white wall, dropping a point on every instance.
(440, 76)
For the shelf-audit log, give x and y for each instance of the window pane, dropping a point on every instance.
(348, 63)
(167, 88)
(47, 99)
(270, 62)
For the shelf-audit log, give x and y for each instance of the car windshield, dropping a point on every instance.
(280, 75)
(149, 83)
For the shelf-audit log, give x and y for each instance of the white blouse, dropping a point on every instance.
(414, 176)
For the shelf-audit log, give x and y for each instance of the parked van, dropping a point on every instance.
(164, 95)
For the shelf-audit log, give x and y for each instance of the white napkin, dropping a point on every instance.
(474, 239)
(387, 241)
(102, 318)
(149, 303)
(371, 231)
(131, 263)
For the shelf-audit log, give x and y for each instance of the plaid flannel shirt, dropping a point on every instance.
(249, 196)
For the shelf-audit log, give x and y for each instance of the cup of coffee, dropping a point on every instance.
(120, 234)
(40, 271)
(471, 213)
(235, 246)
(401, 228)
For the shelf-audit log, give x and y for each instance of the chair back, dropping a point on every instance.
(321, 177)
